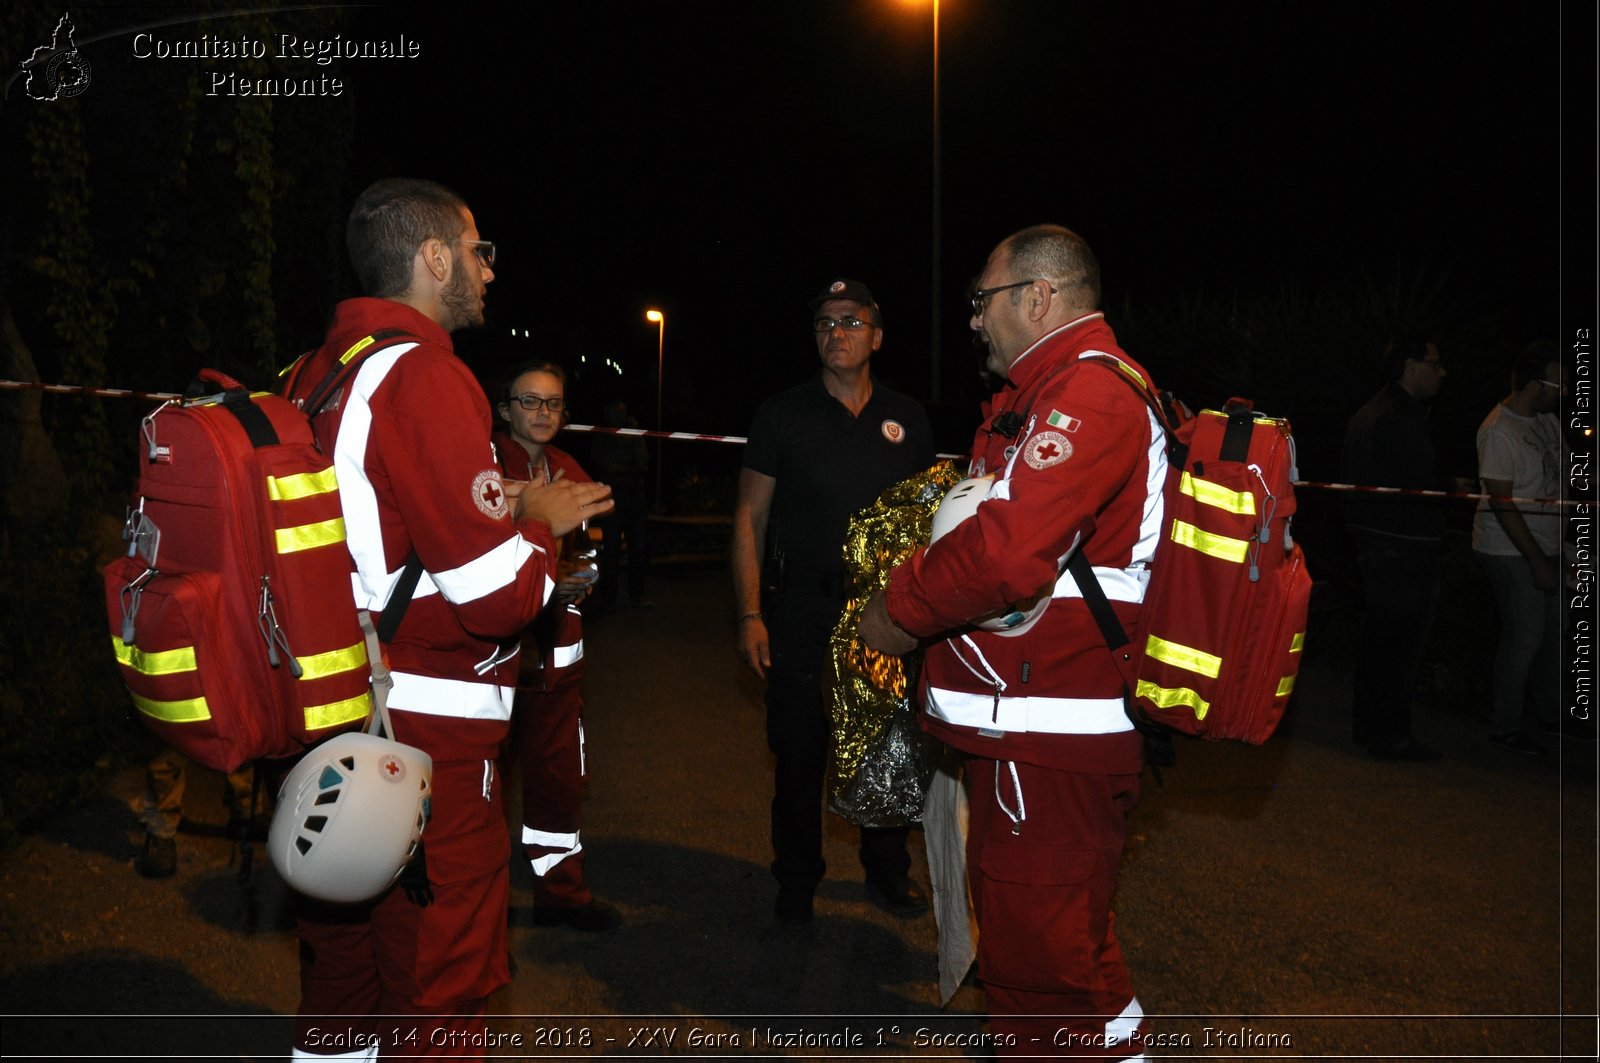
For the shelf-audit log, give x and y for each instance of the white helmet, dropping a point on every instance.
(960, 503)
(350, 816)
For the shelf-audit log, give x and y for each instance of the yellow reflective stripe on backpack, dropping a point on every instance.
(321, 717)
(191, 710)
(1208, 493)
(159, 662)
(1285, 686)
(1224, 547)
(1172, 697)
(309, 536)
(322, 665)
(1186, 657)
(1297, 642)
(301, 485)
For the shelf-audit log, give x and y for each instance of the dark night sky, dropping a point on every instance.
(724, 160)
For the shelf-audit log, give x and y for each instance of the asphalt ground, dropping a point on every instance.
(1299, 900)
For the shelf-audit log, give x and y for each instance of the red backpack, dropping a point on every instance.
(1224, 615)
(232, 616)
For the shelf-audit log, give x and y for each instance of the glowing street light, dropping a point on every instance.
(658, 319)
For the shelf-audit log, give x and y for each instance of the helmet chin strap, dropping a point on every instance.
(382, 682)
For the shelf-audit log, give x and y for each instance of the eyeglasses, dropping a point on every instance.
(849, 324)
(1550, 384)
(1431, 363)
(484, 249)
(536, 403)
(981, 296)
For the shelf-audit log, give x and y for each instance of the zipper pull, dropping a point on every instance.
(267, 623)
(130, 603)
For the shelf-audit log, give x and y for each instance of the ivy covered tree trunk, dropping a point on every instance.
(148, 231)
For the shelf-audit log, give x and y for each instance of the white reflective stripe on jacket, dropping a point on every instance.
(1040, 715)
(432, 696)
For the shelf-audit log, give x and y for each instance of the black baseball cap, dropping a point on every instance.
(845, 288)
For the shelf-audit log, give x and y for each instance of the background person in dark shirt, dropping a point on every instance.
(1398, 538)
(817, 454)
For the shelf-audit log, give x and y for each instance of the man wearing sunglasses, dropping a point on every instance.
(409, 436)
(817, 454)
(1052, 760)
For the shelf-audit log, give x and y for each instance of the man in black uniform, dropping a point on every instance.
(817, 454)
(1387, 444)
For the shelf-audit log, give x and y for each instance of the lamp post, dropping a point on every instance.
(659, 319)
(935, 364)
(935, 359)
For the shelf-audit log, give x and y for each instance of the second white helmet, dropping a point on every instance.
(960, 503)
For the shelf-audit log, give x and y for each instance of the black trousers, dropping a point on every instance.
(1400, 585)
(798, 731)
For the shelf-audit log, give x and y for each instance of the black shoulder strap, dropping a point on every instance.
(388, 622)
(1236, 437)
(342, 370)
(1157, 741)
(1094, 596)
(255, 423)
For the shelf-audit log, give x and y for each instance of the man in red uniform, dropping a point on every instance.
(409, 433)
(1052, 760)
(547, 728)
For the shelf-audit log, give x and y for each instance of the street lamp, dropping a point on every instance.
(659, 319)
(937, 294)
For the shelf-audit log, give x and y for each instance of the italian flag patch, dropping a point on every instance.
(1057, 419)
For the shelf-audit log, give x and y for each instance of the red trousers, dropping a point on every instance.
(392, 957)
(547, 743)
(1042, 854)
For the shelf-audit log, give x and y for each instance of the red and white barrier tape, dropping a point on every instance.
(700, 437)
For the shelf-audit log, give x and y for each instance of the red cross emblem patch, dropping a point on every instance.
(1046, 449)
(391, 767)
(489, 494)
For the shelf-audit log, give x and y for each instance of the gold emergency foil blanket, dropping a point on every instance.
(882, 761)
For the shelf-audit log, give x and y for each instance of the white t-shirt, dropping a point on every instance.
(1526, 451)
